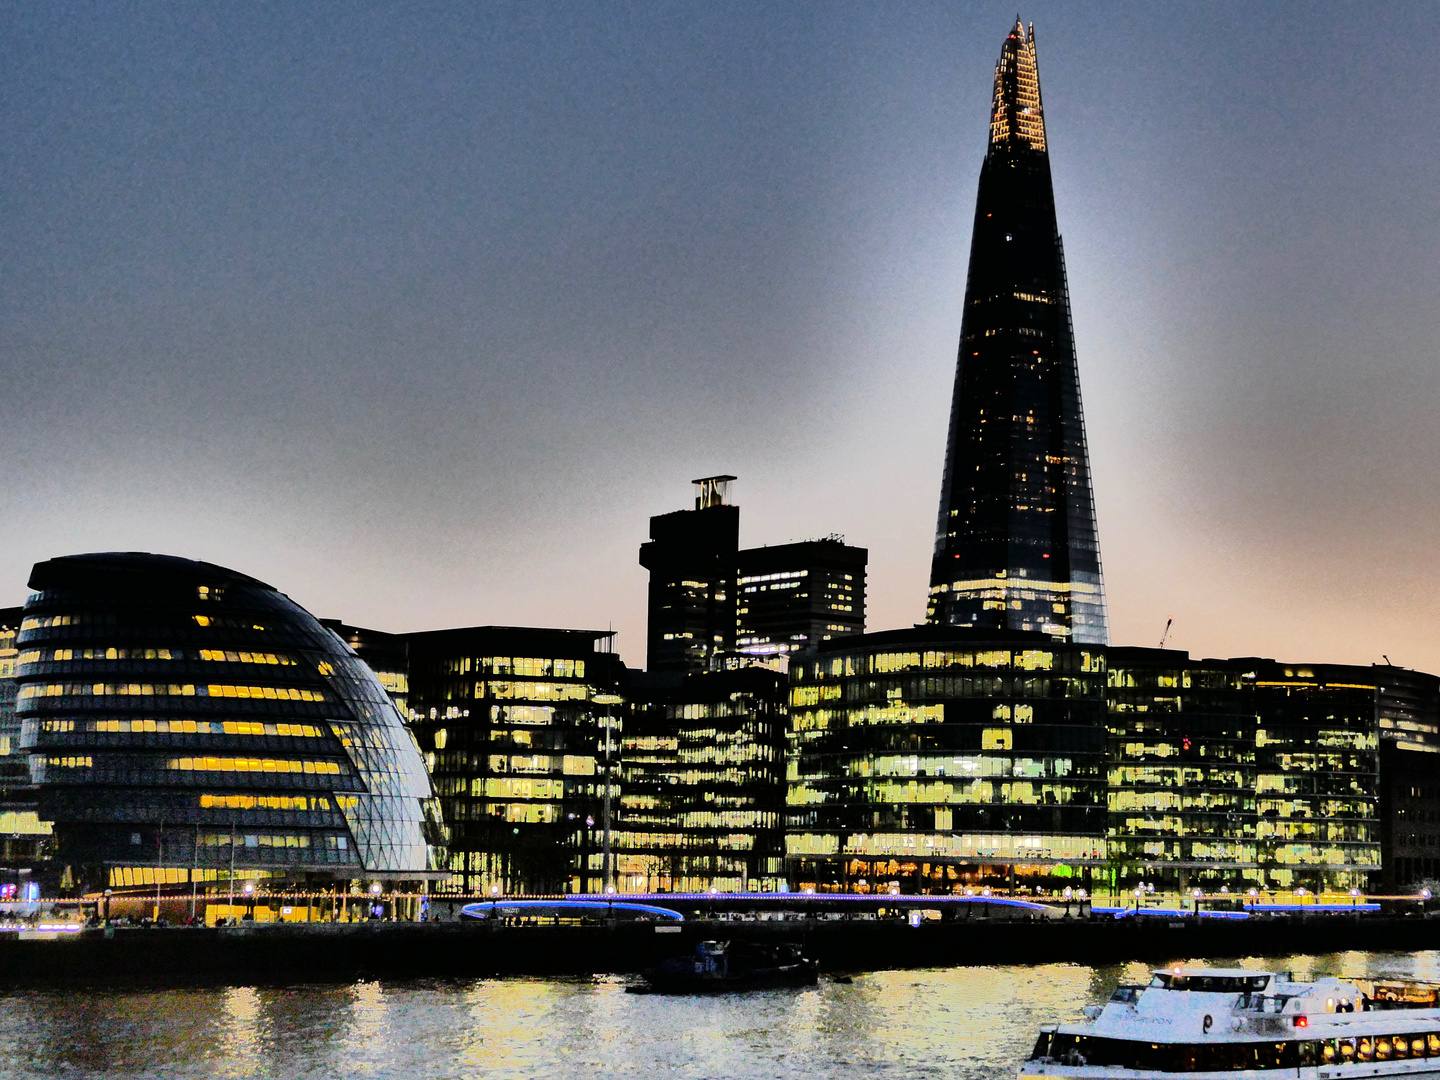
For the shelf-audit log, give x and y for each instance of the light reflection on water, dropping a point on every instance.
(956, 1022)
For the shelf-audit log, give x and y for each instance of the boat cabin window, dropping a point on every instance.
(1210, 984)
(1127, 994)
(1225, 1056)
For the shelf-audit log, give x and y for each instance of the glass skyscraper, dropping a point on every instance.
(1016, 546)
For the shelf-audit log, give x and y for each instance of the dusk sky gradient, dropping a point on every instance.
(419, 311)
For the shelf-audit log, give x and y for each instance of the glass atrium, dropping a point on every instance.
(186, 723)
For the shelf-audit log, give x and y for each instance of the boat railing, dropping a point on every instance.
(1403, 994)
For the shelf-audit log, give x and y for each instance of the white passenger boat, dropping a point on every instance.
(1233, 1023)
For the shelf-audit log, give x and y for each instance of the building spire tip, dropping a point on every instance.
(1016, 111)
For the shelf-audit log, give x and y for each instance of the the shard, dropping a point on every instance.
(1016, 547)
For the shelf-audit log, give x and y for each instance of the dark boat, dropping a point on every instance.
(723, 966)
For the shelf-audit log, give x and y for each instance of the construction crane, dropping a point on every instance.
(1166, 634)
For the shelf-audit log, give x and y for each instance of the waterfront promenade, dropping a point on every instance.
(870, 934)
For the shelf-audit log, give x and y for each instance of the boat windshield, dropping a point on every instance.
(1210, 984)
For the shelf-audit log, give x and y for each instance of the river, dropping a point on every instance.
(965, 1023)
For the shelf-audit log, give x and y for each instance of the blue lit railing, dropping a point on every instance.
(1357, 906)
(792, 899)
(1173, 913)
(557, 907)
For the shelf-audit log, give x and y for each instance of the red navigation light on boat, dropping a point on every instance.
(1302, 1021)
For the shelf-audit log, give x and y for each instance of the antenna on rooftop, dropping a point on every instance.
(1166, 633)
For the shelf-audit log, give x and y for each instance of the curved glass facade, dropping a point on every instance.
(185, 719)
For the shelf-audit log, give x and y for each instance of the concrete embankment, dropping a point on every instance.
(290, 953)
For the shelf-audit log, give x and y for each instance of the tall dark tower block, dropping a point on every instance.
(1016, 547)
(691, 556)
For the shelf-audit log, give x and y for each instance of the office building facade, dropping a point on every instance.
(1016, 543)
(24, 837)
(937, 758)
(185, 722)
(791, 596)
(713, 606)
(703, 791)
(514, 723)
(1242, 773)
(1181, 772)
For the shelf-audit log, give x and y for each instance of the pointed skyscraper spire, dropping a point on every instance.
(1016, 547)
(1016, 114)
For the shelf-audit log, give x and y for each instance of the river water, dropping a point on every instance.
(956, 1022)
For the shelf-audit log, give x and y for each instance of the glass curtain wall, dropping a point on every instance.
(935, 760)
(514, 737)
(703, 798)
(183, 720)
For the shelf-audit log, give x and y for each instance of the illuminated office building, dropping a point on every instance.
(691, 556)
(714, 607)
(14, 771)
(791, 596)
(939, 758)
(1409, 777)
(185, 722)
(1317, 766)
(513, 723)
(703, 782)
(1182, 769)
(1242, 773)
(1016, 545)
(23, 835)
(1408, 708)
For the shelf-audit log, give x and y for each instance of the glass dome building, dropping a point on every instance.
(185, 722)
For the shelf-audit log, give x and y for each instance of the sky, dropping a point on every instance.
(418, 311)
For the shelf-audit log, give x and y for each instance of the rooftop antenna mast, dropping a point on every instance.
(1166, 632)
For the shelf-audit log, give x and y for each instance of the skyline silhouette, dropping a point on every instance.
(420, 315)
